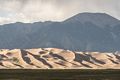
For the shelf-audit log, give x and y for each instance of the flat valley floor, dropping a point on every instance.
(59, 74)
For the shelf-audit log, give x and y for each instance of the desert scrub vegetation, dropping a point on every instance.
(14, 59)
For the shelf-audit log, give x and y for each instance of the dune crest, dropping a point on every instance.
(53, 58)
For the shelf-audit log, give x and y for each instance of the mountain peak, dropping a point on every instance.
(90, 13)
(100, 19)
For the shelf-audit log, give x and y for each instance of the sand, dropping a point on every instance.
(54, 58)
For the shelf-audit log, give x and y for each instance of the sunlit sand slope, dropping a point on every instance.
(53, 58)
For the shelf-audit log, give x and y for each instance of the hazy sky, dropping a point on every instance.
(55, 10)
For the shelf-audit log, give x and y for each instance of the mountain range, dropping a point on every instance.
(82, 32)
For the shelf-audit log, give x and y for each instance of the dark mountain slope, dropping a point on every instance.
(83, 32)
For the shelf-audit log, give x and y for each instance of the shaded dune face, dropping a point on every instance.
(53, 58)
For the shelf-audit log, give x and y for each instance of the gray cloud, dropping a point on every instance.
(55, 10)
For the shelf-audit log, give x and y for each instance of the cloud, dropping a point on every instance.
(55, 10)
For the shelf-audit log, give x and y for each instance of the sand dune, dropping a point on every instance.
(53, 58)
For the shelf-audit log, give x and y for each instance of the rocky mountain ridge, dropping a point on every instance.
(82, 32)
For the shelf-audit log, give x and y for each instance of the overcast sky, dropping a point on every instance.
(55, 10)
